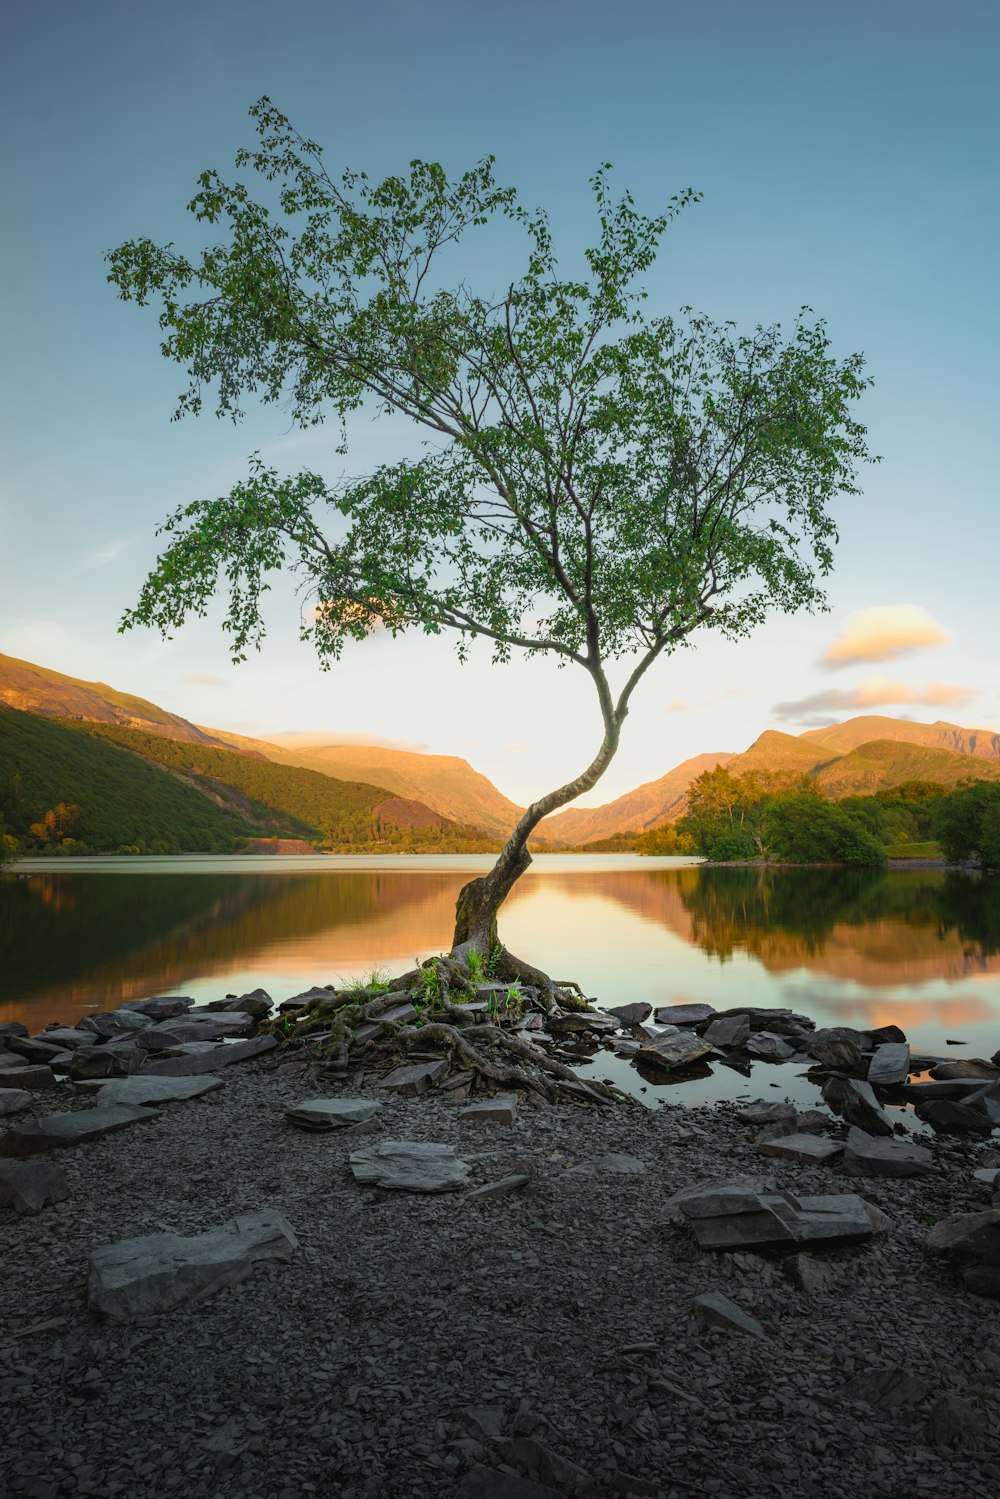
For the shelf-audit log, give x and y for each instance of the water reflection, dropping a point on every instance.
(918, 947)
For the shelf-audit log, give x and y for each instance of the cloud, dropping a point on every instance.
(204, 679)
(883, 633)
(681, 704)
(514, 749)
(102, 556)
(873, 692)
(677, 705)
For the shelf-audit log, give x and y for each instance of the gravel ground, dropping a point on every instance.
(414, 1336)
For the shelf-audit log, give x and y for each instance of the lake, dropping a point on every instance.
(920, 948)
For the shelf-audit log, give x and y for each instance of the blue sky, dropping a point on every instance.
(847, 157)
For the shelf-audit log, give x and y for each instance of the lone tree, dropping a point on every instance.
(595, 483)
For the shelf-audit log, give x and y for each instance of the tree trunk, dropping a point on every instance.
(480, 900)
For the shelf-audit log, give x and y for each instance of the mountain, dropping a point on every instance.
(983, 744)
(35, 689)
(887, 762)
(648, 806)
(445, 783)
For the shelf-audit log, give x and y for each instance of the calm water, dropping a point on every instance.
(920, 948)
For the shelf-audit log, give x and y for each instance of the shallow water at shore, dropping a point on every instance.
(920, 948)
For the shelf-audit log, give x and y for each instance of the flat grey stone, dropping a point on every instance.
(332, 1113)
(27, 1077)
(199, 1057)
(855, 1100)
(769, 1046)
(499, 1110)
(581, 1022)
(875, 1155)
(42, 1053)
(501, 1188)
(948, 1071)
(164, 1007)
(613, 1164)
(767, 1113)
(631, 1014)
(968, 1238)
(13, 1100)
(140, 1277)
(890, 1065)
(156, 1090)
(716, 1310)
(731, 1216)
(775, 1019)
(693, 1014)
(56, 1131)
(415, 1077)
(116, 1022)
(106, 1061)
(809, 1149)
(29, 1186)
(209, 1025)
(677, 1049)
(12, 1028)
(66, 1037)
(728, 1031)
(410, 1166)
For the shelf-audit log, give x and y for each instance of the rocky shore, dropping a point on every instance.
(358, 1291)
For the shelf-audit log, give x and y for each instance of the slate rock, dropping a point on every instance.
(500, 1110)
(56, 1131)
(675, 1048)
(66, 1037)
(631, 1014)
(198, 1058)
(13, 1100)
(693, 1014)
(222, 1022)
(732, 1215)
(156, 1090)
(875, 1155)
(890, 1065)
(837, 1046)
(767, 1113)
(806, 1149)
(29, 1186)
(206, 1028)
(325, 1114)
(414, 1078)
(968, 1238)
(164, 1007)
(855, 1100)
(779, 1021)
(106, 1061)
(613, 1164)
(808, 1273)
(881, 1033)
(257, 1003)
(885, 1388)
(953, 1422)
(41, 1053)
(728, 1031)
(958, 1090)
(769, 1046)
(954, 1118)
(12, 1028)
(716, 1310)
(581, 1022)
(27, 1077)
(410, 1166)
(983, 1280)
(966, 1067)
(500, 1188)
(140, 1277)
(116, 1022)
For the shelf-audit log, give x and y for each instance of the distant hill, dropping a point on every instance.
(35, 689)
(886, 762)
(648, 806)
(983, 744)
(445, 783)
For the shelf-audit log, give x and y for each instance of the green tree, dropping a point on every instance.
(725, 813)
(804, 828)
(596, 483)
(967, 824)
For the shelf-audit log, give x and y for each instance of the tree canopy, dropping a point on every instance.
(595, 482)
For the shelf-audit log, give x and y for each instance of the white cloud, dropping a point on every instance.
(884, 633)
(873, 692)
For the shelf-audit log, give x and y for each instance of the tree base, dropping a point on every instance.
(439, 1010)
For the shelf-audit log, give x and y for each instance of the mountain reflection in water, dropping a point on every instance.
(919, 947)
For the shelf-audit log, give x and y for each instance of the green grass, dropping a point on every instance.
(927, 850)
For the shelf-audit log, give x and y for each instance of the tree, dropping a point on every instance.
(595, 483)
(804, 828)
(967, 824)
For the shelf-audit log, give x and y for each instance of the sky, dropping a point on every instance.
(847, 157)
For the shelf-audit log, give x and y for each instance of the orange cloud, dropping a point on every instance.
(875, 692)
(204, 679)
(883, 633)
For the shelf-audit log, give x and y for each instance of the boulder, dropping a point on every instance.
(410, 1166)
(106, 1061)
(121, 1022)
(767, 1113)
(890, 1065)
(41, 1053)
(968, 1238)
(199, 1057)
(56, 1131)
(156, 1090)
(857, 1103)
(216, 1027)
(837, 1046)
(954, 1118)
(805, 1149)
(10, 1028)
(500, 1110)
(29, 1186)
(962, 1067)
(414, 1078)
(674, 1048)
(769, 1046)
(728, 1031)
(257, 1003)
(27, 1076)
(13, 1100)
(631, 1014)
(716, 1310)
(689, 1015)
(68, 1038)
(140, 1277)
(219, 1022)
(733, 1216)
(780, 1021)
(581, 1022)
(164, 1007)
(924, 1092)
(871, 1155)
(881, 1033)
(325, 1114)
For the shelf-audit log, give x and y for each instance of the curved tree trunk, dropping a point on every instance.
(481, 899)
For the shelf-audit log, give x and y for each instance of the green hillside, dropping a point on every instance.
(122, 801)
(888, 762)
